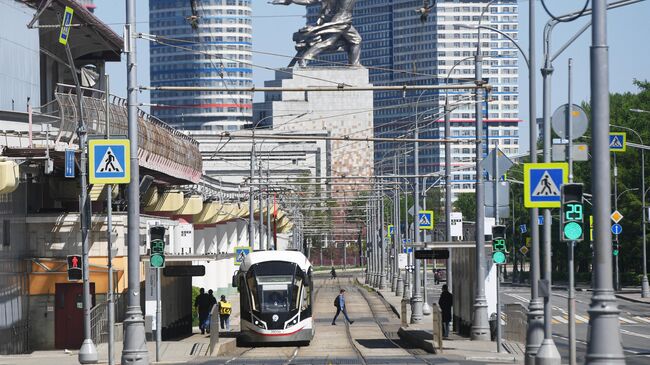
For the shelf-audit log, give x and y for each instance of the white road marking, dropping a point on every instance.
(581, 319)
(560, 319)
(630, 333)
(625, 320)
(642, 319)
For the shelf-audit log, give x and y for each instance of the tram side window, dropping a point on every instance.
(306, 297)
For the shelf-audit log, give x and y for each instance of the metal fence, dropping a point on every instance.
(516, 322)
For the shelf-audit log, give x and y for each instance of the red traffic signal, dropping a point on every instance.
(74, 267)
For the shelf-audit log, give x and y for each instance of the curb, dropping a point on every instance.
(416, 341)
(622, 297)
(392, 307)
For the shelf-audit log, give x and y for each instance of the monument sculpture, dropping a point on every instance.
(333, 31)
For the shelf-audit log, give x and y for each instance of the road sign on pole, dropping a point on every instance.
(542, 182)
(616, 216)
(65, 25)
(617, 141)
(240, 254)
(425, 219)
(108, 161)
(69, 163)
(391, 230)
(617, 229)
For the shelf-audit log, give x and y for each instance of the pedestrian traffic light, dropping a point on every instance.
(74, 268)
(499, 250)
(572, 213)
(157, 246)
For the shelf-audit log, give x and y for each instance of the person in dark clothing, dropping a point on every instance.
(333, 273)
(203, 305)
(213, 302)
(445, 302)
(339, 303)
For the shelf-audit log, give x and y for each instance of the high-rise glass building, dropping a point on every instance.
(202, 43)
(399, 49)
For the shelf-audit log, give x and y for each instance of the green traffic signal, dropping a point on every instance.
(573, 231)
(499, 257)
(157, 260)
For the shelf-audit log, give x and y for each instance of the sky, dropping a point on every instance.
(273, 27)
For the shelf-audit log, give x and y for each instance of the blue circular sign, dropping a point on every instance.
(616, 228)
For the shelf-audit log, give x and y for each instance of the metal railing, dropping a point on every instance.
(516, 322)
(162, 148)
(99, 323)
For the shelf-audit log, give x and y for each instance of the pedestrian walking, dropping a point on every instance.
(339, 303)
(436, 276)
(203, 305)
(445, 302)
(225, 309)
(333, 273)
(213, 302)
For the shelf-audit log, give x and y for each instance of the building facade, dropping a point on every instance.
(399, 49)
(201, 43)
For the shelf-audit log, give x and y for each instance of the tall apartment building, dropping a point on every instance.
(399, 49)
(202, 43)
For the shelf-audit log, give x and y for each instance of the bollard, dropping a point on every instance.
(404, 314)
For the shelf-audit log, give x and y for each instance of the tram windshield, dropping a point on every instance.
(275, 286)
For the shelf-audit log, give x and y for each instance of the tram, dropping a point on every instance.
(276, 298)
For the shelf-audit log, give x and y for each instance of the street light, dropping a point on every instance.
(645, 287)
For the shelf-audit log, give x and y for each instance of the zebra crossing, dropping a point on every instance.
(561, 316)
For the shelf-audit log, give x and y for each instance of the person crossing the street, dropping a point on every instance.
(225, 310)
(339, 303)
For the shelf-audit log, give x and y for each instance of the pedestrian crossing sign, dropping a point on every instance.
(617, 141)
(391, 230)
(240, 254)
(108, 161)
(542, 182)
(425, 217)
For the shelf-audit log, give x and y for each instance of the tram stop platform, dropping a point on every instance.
(456, 347)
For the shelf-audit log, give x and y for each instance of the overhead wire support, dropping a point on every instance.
(338, 87)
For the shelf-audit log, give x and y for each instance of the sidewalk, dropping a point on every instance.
(171, 351)
(421, 335)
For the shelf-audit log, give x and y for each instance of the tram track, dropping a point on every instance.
(362, 359)
(381, 326)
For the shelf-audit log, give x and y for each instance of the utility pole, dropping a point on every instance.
(547, 353)
(448, 192)
(416, 300)
(604, 342)
(251, 201)
(534, 333)
(268, 213)
(495, 180)
(480, 327)
(395, 235)
(110, 299)
(261, 208)
(382, 241)
(135, 350)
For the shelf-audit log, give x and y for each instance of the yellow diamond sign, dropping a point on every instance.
(616, 216)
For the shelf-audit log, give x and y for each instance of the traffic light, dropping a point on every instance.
(499, 250)
(74, 268)
(572, 213)
(157, 246)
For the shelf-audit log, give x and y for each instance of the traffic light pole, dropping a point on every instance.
(88, 351)
(135, 350)
(495, 179)
(571, 245)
